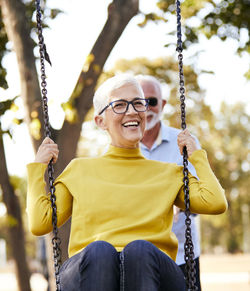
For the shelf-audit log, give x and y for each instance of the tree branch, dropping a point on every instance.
(120, 13)
(18, 31)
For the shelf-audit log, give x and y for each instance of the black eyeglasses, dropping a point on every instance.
(152, 101)
(121, 106)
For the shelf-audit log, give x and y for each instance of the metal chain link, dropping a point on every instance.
(188, 245)
(44, 56)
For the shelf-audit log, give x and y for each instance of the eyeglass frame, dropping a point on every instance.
(128, 103)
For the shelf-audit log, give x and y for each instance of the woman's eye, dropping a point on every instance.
(120, 104)
(138, 103)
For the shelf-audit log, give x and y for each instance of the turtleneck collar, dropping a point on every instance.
(124, 153)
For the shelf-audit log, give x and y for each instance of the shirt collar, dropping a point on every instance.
(163, 134)
(123, 153)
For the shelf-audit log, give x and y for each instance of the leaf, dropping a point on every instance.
(35, 128)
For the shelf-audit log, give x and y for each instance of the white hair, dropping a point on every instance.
(102, 94)
(148, 78)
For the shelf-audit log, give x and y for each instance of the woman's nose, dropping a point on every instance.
(131, 109)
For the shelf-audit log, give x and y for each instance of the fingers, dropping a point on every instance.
(47, 151)
(47, 140)
(186, 139)
(50, 151)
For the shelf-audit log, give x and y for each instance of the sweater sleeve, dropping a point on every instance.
(38, 202)
(206, 194)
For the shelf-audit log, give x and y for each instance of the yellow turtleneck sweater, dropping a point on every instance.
(121, 197)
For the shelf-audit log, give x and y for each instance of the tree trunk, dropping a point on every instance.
(18, 31)
(120, 13)
(13, 14)
(15, 228)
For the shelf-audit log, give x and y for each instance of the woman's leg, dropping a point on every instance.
(145, 268)
(96, 268)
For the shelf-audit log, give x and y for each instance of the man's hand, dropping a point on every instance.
(176, 213)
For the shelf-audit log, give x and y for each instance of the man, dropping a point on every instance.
(160, 143)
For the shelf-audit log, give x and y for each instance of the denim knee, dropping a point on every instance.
(139, 249)
(100, 246)
(100, 251)
(96, 267)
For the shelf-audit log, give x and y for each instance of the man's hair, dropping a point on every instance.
(102, 94)
(148, 78)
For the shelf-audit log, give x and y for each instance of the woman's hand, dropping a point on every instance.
(186, 139)
(48, 150)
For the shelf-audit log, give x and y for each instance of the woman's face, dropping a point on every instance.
(127, 129)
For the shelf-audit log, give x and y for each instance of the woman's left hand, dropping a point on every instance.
(186, 139)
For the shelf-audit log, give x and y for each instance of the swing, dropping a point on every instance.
(188, 246)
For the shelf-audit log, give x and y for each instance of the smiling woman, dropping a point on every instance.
(121, 203)
(124, 123)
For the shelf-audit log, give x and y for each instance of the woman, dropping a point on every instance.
(121, 203)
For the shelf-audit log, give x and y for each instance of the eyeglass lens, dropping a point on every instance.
(121, 106)
(152, 101)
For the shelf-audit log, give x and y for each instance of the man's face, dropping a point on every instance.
(150, 89)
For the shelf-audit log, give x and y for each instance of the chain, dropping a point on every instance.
(44, 56)
(188, 245)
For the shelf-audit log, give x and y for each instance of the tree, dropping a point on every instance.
(14, 213)
(229, 158)
(224, 19)
(16, 15)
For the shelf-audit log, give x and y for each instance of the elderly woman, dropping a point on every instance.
(121, 203)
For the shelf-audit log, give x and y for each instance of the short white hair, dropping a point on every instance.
(148, 78)
(102, 94)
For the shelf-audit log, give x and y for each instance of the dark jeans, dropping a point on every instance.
(141, 266)
(197, 274)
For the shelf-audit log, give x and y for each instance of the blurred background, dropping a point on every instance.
(89, 41)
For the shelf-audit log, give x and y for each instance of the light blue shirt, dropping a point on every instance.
(165, 149)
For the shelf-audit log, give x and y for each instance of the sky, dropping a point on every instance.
(70, 39)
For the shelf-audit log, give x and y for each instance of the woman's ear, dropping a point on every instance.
(100, 122)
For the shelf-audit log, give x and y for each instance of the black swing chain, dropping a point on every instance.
(44, 56)
(188, 245)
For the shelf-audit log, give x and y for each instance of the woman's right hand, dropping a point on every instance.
(48, 150)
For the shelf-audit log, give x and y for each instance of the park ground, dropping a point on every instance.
(218, 272)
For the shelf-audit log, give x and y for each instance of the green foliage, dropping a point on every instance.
(3, 50)
(188, 7)
(224, 18)
(20, 187)
(247, 74)
(227, 19)
(229, 157)
(4, 107)
(152, 17)
(30, 16)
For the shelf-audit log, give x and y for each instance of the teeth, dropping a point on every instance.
(131, 123)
